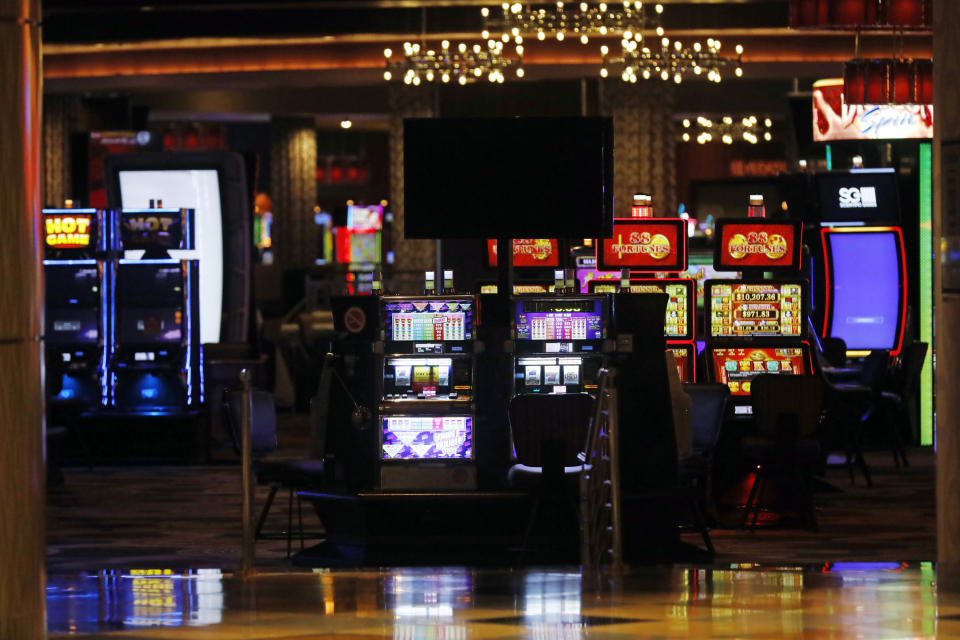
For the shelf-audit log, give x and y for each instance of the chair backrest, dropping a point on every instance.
(774, 396)
(708, 410)
(560, 418)
(834, 351)
(875, 369)
(263, 419)
(912, 363)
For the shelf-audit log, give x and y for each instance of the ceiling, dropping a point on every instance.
(217, 55)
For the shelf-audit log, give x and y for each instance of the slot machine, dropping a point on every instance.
(427, 409)
(678, 323)
(155, 352)
(755, 325)
(559, 343)
(76, 322)
(642, 247)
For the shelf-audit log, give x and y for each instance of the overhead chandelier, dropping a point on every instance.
(669, 60)
(727, 129)
(461, 64)
(579, 22)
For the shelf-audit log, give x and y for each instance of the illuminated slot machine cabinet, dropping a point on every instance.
(155, 340)
(559, 343)
(678, 324)
(427, 410)
(77, 282)
(756, 325)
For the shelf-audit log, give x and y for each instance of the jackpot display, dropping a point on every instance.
(428, 320)
(740, 309)
(757, 246)
(426, 437)
(645, 244)
(736, 367)
(559, 320)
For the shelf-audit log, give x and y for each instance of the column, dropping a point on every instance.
(293, 189)
(408, 102)
(22, 535)
(59, 116)
(946, 219)
(644, 143)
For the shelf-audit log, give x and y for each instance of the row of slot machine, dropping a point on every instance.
(122, 325)
(756, 322)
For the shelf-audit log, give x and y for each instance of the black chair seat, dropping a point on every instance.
(521, 476)
(760, 448)
(300, 473)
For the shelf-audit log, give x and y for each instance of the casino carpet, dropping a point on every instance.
(189, 516)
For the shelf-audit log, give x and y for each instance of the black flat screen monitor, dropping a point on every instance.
(508, 177)
(859, 195)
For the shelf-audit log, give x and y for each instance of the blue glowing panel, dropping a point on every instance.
(865, 289)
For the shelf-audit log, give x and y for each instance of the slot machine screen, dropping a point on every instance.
(428, 320)
(364, 219)
(573, 319)
(678, 324)
(150, 303)
(158, 325)
(866, 287)
(72, 286)
(76, 325)
(427, 437)
(740, 309)
(365, 248)
(737, 367)
(683, 358)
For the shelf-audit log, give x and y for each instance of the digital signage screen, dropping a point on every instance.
(559, 319)
(867, 195)
(752, 246)
(70, 229)
(427, 437)
(866, 287)
(428, 320)
(528, 253)
(737, 367)
(645, 244)
(762, 308)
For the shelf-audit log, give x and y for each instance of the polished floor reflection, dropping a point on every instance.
(833, 600)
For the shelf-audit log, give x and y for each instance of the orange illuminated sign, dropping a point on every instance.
(68, 231)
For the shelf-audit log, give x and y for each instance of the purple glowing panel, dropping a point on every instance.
(865, 289)
(559, 319)
(427, 437)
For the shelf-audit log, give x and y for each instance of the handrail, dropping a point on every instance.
(600, 518)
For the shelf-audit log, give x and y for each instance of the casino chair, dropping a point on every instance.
(787, 414)
(549, 431)
(289, 474)
(849, 406)
(895, 399)
(708, 410)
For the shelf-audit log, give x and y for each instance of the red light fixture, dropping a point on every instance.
(888, 81)
(871, 14)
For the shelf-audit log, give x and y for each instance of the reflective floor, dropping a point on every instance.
(834, 600)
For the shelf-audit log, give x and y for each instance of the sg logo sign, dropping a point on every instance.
(854, 198)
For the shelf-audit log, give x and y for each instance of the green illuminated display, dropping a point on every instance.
(926, 292)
